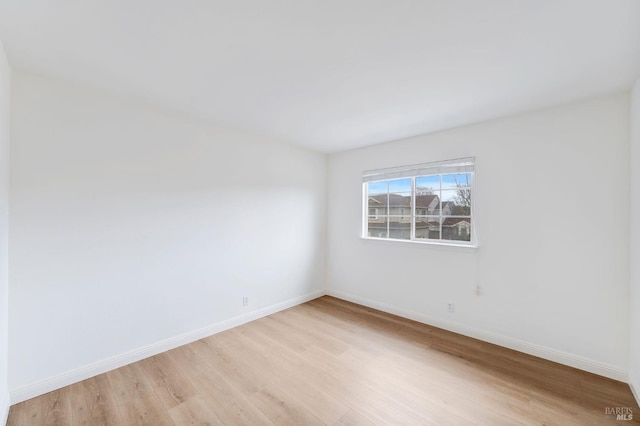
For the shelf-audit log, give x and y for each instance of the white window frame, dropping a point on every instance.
(455, 166)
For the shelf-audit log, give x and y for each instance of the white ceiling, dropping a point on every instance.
(333, 74)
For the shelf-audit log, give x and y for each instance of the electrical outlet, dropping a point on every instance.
(450, 307)
(478, 293)
(245, 300)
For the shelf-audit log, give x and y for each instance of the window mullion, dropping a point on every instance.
(388, 214)
(440, 220)
(413, 208)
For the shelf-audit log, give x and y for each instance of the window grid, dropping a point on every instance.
(440, 217)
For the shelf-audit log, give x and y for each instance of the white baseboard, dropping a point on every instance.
(554, 355)
(4, 408)
(635, 389)
(96, 368)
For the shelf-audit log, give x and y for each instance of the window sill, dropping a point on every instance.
(430, 244)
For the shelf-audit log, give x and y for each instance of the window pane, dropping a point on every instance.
(400, 219)
(377, 227)
(400, 228)
(400, 204)
(456, 228)
(455, 181)
(427, 184)
(456, 202)
(381, 187)
(428, 228)
(377, 205)
(427, 205)
(422, 228)
(400, 185)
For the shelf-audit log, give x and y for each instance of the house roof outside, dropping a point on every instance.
(453, 221)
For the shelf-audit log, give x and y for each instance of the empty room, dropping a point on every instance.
(356, 212)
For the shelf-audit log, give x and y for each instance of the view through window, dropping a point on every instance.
(430, 203)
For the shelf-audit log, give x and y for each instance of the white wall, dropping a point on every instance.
(130, 225)
(634, 337)
(552, 210)
(5, 76)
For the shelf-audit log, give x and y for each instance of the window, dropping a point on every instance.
(429, 202)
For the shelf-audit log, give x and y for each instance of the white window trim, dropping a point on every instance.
(460, 165)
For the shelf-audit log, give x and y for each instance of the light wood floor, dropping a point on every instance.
(333, 362)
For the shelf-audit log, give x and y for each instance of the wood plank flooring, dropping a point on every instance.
(335, 363)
